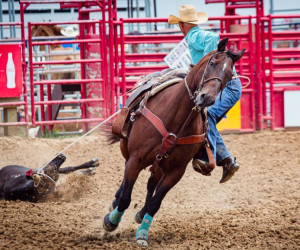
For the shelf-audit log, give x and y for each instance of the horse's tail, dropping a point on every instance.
(110, 137)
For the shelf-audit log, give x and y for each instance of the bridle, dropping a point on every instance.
(203, 80)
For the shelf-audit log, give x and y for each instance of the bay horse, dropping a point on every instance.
(174, 108)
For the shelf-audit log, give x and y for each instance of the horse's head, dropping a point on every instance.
(218, 70)
(46, 30)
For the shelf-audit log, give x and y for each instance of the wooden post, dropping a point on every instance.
(10, 115)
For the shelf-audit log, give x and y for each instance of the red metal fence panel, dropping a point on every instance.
(281, 69)
(98, 79)
(107, 52)
(133, 64)
(24, 86)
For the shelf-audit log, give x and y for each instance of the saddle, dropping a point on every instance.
(136, 105)
(146, 87)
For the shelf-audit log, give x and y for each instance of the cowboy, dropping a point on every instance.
(201, 42)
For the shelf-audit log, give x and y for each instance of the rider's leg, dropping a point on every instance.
(225, 159)
(231, 94)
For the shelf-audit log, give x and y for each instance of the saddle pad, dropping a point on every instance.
(164, 85)
(164, 79)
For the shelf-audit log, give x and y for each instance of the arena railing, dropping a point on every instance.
(281, 71)
(84, 100)
(24, 86)
(130, 71)
(83, 14)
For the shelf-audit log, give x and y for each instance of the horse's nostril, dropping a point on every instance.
(202, 97)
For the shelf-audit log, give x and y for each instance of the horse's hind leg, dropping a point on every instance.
(151, 185)
(91, 164)
(132, 170)
(124, 150)
(168, 181)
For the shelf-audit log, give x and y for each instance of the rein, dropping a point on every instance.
(203, 81)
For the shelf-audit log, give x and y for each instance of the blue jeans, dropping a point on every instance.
(231, 94)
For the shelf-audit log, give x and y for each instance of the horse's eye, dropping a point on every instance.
(211, 64)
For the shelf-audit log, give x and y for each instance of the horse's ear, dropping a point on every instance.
(237, 56)
(222, 45)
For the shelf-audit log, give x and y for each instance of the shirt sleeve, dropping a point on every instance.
(211, 42)
(205, 41)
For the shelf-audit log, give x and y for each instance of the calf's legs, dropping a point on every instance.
(91, 164)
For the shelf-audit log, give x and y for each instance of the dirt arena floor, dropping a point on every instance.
(259, 208)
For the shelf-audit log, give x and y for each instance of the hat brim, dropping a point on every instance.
(75, 33)
(202, 18)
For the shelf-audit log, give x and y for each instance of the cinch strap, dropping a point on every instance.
(169, 139)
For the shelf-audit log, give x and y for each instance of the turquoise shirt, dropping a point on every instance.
(201, 42)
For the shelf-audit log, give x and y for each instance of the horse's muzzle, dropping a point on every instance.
(204, 100)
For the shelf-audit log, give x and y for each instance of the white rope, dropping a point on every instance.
(42, 167)
(249, 81)
(47, 176)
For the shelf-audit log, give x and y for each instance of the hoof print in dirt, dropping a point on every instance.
(107, 225)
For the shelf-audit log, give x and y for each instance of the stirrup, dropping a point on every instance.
(201, 167)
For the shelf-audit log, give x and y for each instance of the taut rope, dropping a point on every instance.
(42, 167)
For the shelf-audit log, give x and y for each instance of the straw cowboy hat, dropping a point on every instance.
(188, 14)
(70, 31)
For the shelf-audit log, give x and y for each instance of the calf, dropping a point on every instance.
(21, 183)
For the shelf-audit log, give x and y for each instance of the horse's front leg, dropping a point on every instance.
(151, 185)
(168, 181)
(132, 170)
(114, 203)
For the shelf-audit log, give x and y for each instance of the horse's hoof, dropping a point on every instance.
(89, 171)
(107, 225)
(138, 218)
(142, 242)
(96, 162)
(112, 205)
(142, 238)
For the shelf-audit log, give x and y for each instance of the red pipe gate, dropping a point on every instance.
(116, 70)
(83, 40)
(128, 70)
(24, 86)
(280, 68)
(91, 85)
